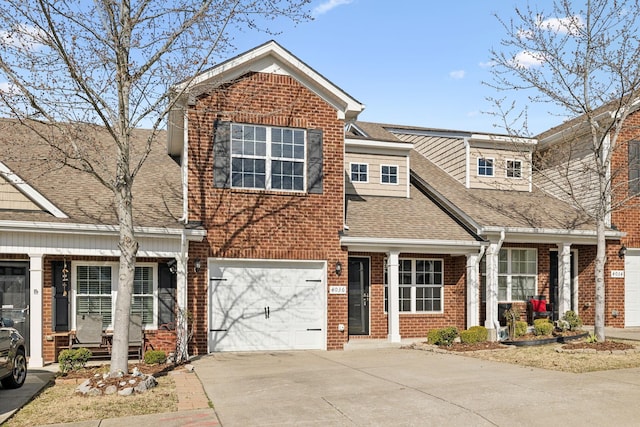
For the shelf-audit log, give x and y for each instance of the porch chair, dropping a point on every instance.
(537, 308)
(88, 331)
(136, 335)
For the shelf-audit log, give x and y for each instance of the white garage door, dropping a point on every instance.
(632, 288)
(267, 305)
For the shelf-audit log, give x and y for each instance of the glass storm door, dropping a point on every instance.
(358, 296)
(14, 297)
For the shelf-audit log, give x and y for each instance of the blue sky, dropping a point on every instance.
(414, 62)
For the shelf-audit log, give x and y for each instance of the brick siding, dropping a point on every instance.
(260, 224)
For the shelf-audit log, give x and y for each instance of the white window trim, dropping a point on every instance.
(268, 158)
(413, 287)
(493, 167)
(509, 275)
(115, 272)
(360, 164)
(506, 169)
(397, 175)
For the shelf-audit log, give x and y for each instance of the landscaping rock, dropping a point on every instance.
(126, 391)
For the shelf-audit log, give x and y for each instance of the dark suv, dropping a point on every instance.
(13, 360)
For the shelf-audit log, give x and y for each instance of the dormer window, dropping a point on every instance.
(389, 174)
(514, 169)
(359, 172)
(485, 166)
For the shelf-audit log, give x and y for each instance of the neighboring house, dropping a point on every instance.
(54, 218)
(566, 162)
(277, 220)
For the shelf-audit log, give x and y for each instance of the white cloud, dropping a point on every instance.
(568, 25)
(526, 59)
(457, 74)
(329, 5)
(487, 64)
(22, 37)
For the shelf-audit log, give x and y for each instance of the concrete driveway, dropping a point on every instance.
(394, 387)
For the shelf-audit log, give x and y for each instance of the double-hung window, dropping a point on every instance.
(389, 174)
(485, 166)
(143, 294)
(517, 274)
(96, 289)
(267, 157)
(421, 284)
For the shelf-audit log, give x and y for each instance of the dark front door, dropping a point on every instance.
(14, 297)
(358, 296)
(553, 279)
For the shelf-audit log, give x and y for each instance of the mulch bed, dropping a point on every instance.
(598, 346)
(487, 345)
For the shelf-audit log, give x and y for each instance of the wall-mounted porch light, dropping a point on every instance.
(197, 265)
(338, 268)
(622, 252)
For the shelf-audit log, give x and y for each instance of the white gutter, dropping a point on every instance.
(446, 246)
(538, 234)
(95, 229)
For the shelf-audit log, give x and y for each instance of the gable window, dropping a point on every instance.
(389, 174)
(96, 291)
(421, 282)
(514, 169)
(267, 158)
(359, 172)
(485, 166)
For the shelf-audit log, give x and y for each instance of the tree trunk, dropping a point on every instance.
(128, 249)
(601, 259)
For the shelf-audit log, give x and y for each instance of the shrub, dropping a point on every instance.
(563, 325)
(72, 360)
(153, 357)
(474, 335)
(521, 328)
(572, 318)
(444, 336)
(542, 327)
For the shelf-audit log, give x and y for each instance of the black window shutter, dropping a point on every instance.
(634, 168)
(60, 301)
(221, 154)
(166, 294)
(314, 161)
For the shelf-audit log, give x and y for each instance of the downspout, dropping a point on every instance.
(496, 321)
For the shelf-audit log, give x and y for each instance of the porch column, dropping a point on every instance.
(492, 322)
(181, 302)
(36, 359)
(393, 310)
(473, 290)
(564, 278)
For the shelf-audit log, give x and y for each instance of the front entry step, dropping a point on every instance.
(369, 343)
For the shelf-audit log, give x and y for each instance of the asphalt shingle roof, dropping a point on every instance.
(157, 191)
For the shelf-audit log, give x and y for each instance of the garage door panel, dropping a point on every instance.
(267, 306)
(632, 288)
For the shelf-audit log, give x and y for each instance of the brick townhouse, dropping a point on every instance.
(279, 220)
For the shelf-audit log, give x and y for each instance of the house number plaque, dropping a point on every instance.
(617, 273)
(337, 289)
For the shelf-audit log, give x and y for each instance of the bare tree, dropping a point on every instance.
(109, 63)
(583, 59)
